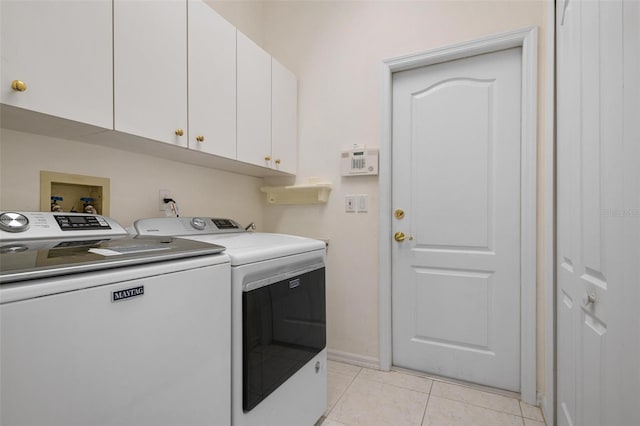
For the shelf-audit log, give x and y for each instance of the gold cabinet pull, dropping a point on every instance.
(179, 132)
(267, 158)
(18, 85)
(200, 138)
(278, 161)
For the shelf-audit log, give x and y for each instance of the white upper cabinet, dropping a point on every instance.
(61, 53)
(284, 118)
(254, 103)
(212, 82)
(150, 69)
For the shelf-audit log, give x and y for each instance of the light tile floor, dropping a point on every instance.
(364, 397)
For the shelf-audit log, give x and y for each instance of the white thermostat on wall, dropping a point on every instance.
(359, 161)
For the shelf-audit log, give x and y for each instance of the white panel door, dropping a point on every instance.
(254, 103)
(284, 118)
(598, 230)
(456, 175)
(62, 51)
(212, 81)
(150, 69)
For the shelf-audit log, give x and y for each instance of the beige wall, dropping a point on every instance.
(135, 179)
(335, 49)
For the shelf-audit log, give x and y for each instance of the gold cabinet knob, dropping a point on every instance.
(399, 213)
(278, 161)
(179, 132)
(18, 86)
(267, 158)
(200, 138)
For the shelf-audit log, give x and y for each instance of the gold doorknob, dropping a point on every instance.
(179, 132)
(200, 138)
(267, 158)
(18, 86)
(400, 237)
(278, 161)
(399, 213)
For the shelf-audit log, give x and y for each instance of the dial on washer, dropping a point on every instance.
(13, 222)
(198, 223)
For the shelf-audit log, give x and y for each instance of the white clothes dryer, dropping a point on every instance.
(279, 375)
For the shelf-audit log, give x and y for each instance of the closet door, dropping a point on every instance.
(598, 228)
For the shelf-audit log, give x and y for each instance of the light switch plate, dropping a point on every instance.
(362, 203)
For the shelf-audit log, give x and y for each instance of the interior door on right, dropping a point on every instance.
(598, 216)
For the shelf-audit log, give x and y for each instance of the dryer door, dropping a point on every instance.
(284, 326)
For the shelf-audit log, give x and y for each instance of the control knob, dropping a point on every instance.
(13, 222)
(198, 223)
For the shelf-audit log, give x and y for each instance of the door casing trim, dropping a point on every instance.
(527, 39)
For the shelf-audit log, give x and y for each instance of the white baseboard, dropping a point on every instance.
(355, 359)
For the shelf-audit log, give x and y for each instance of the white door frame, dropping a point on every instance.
(526, 39)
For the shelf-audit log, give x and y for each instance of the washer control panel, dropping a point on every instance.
(185, 226)
(223, 224)
(70, 223)
(42, 225)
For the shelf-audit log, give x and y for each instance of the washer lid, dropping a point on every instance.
(24, 260)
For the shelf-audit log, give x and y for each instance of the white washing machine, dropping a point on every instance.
(101, 328)
(279, 375)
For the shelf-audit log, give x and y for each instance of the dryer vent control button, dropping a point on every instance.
(198, 223)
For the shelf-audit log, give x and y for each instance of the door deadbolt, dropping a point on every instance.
(399, 213)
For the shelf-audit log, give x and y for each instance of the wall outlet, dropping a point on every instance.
(163, 193)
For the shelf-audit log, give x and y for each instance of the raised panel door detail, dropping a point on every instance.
(452, 126)
(63, 52)
(462, 294)
(254, 103)
(212, 81)
(150, 69)
(284, 118)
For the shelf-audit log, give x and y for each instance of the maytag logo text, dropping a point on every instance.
(128, 293)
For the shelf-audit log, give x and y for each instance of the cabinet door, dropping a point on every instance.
(254, 103)
(284, 118)
(212, 81)
(62, 51)
(150, 69)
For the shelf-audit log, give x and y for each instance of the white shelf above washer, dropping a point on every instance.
(317, 193)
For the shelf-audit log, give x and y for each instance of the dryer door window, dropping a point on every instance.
(284, 326)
